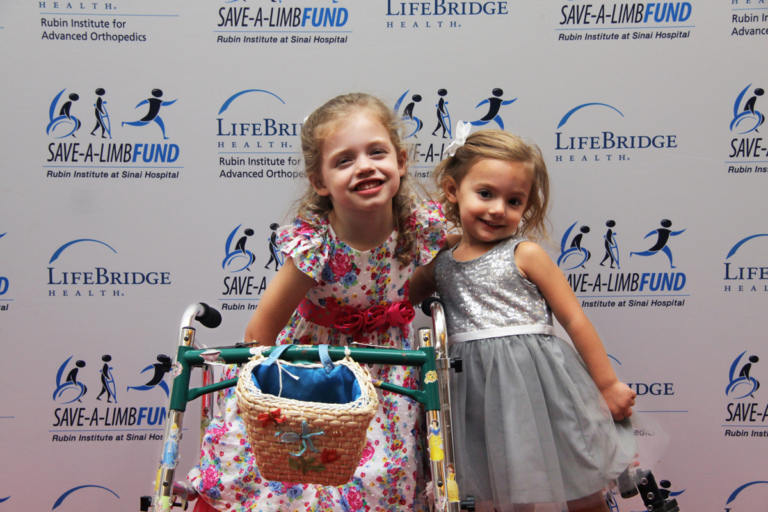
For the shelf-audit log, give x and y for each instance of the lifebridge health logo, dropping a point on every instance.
(93, 401)
(745, 268)
(614, 21)
(108, 148)
(606, 271)
(266, 22)
(430, 117)
(746, 416)
(442, 14)
(249, 263)
(748, 152)
(599, 133)
(89, 268)
(257, 137)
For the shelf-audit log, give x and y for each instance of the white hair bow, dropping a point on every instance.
(462, 132)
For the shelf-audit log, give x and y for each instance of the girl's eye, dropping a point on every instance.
(515, 202)
(484, 194)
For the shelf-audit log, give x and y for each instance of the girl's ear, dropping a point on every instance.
(317, 184)
(451, 190)
(402, 162)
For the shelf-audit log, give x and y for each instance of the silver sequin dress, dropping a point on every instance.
(529, 424)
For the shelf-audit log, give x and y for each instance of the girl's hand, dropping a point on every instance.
(620, 399)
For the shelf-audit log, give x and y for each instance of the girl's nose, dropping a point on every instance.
(495, 208)
(365, 165)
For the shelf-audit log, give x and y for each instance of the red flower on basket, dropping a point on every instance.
(272, 416)
(329, 455)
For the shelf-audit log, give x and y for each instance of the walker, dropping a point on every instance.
(431, 357)
(434, 394)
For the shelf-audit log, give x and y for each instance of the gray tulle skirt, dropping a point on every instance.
(530, 425)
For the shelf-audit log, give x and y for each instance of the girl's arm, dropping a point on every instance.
(280, 300)
(537, 267)
(423, 281)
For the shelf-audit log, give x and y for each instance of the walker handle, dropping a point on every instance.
(209, 317)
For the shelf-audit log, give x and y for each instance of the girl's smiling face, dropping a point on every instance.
(492, 199)
(360, 167)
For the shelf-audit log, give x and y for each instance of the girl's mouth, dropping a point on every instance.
(367, 185)
(490, 224)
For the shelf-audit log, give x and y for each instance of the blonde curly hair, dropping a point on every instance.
(319, 126)
(500, 145)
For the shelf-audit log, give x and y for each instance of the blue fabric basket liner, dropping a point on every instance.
(314, 384)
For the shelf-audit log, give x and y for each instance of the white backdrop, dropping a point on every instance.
(143, 140)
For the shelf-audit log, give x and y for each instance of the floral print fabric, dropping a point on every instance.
(389, 475)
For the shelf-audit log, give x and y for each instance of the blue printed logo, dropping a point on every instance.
(486, 111)
(67, 494)
(578, 252)
(577, 141)
(746, 117)
(70, 388)
(745, 492)
(742, 273)
(96, 281)
(151, 107)
(741, 383)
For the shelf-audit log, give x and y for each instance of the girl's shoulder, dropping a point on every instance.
(428, 222)
(305, 240)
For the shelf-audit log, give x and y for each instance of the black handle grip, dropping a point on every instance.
(426, 305)
(210, 317)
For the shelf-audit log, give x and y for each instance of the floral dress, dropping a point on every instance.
(389, 475)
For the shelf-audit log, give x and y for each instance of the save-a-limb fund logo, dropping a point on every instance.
(748, 497)
(5, 285)
(430, 117)
(93, 402)
(638, 21)
(249, 264)
(269, 23)
(745, 268)
(746, 416)
(89, 268)
(257, 138)
(442, 14)
(86, 141)
(601, 134)
(748, 153)
(607, 270)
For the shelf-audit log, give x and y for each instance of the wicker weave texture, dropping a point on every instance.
(339, 448)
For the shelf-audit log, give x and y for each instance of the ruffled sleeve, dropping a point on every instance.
(430, 224)
(304, 241)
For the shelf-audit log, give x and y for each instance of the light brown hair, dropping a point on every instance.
(500, 145)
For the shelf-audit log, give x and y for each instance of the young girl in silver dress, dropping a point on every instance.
(539, 423)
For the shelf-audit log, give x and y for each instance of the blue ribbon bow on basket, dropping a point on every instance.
(305, 437)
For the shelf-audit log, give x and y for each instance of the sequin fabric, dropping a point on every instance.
(510, 300)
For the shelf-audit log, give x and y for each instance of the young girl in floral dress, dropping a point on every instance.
(357, 238)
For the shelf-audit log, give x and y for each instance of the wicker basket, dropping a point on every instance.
(306, 441)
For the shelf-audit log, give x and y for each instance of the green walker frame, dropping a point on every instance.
(433, 393)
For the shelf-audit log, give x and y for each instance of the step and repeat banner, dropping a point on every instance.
(149, 150)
